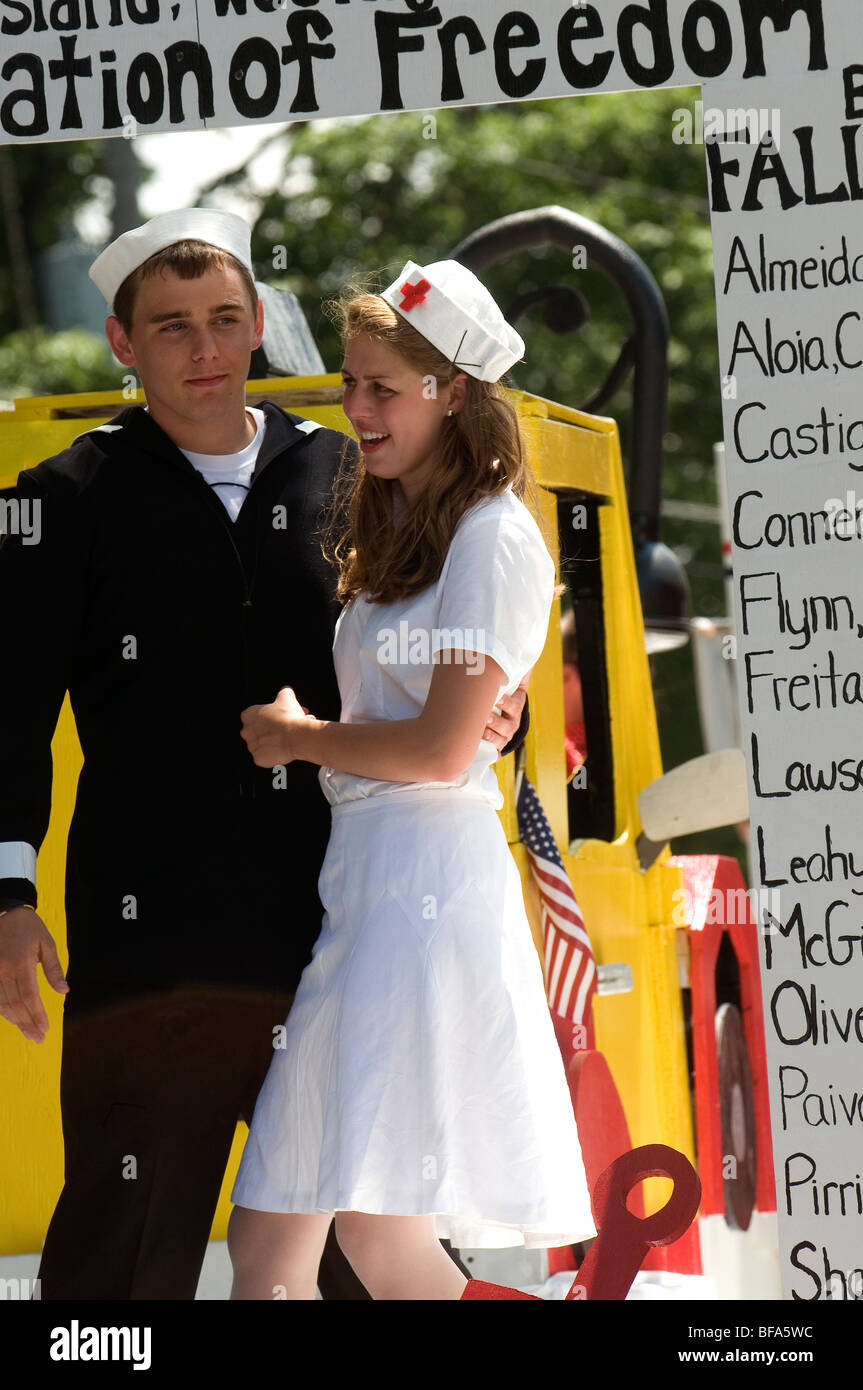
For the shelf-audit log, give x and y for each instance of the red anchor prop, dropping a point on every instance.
(624, 1239)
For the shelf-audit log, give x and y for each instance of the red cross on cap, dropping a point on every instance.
(413, 294)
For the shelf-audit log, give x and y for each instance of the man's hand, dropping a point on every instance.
(24, 941)
(506, 715)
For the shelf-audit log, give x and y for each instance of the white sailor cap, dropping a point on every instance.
(449, 306)
(225, 230)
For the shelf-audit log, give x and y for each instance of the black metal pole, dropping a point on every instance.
(557, 226)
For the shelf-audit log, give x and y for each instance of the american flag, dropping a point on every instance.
(570, 969)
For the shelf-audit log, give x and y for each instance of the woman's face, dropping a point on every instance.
(397, 413)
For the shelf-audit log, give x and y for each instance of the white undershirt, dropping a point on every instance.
(230, 475)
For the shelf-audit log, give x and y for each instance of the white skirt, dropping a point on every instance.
(420, 1072)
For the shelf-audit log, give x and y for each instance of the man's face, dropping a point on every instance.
(191, 341)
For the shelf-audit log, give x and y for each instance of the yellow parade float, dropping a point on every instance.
(677, 1011)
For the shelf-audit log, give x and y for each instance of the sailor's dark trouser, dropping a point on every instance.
(151, 1089)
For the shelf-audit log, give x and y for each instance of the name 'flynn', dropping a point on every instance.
(572, 52)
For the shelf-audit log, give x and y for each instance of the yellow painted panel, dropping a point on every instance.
(31, 1147)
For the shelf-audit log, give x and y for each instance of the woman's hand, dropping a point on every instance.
(268, 729)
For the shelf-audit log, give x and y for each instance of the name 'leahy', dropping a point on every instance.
(76, 1343)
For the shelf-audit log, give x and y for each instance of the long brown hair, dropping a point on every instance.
(480, 453)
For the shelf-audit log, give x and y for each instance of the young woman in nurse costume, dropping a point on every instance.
(420, 1092)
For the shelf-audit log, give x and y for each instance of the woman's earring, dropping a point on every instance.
(449, 412)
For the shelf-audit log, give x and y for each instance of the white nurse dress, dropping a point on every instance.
(420, 1072)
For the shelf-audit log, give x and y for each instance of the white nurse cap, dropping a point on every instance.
(448, 305)
(225, 230)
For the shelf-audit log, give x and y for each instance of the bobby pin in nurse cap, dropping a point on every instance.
(449, 306)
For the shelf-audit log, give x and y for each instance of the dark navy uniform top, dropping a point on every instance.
(164, 620)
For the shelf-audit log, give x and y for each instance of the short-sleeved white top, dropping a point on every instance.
(493, 598)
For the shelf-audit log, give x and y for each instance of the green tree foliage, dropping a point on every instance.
(370, 192)
(34, 362)
(48, 183)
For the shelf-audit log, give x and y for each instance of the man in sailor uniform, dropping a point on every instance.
(178, 580)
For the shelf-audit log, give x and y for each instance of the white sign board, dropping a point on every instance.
(72, 69)
(788, 246)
